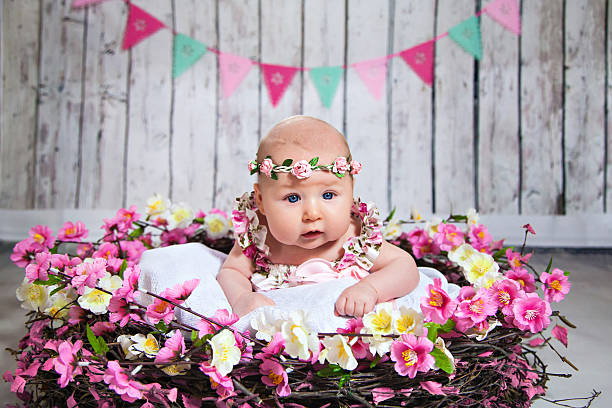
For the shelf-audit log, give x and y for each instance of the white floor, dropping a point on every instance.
(588, 306)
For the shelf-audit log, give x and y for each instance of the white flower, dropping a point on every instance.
(392, 230)
(156, 205)
(144, 345)
(299, 339)
(57, 307)
(378, 323)
(339, 352)
(216, 225)
(181, 215)
(176, 369)
(482, 334)
(125, 342)
(488, 279)
(34, 297)
(414, 214)
(97, 301)
(472, 217)
(432, 226)
(408, 320)
(462, 254)
(225, 352)
(265, 324)
(479, 268)
(439, 344)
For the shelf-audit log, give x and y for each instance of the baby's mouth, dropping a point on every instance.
(311, 234)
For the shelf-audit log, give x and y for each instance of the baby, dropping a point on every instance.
(308, 215)
(302, 242)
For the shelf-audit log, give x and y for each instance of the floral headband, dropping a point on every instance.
(303, 169)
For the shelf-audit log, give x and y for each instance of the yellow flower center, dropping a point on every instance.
(69, 231)
(215, 225)
(34, 292)
(213, 383)
(556, 285)
(504, 297)
(97, 296)
(180, 215)
(522, 282)
(161, 307)
(531, 314)
(436, 299)
(404, 323)
(481, 235)
(39, 238)
(150, 345)
(516, 262)
(410, 357)
(276, 378)
(476, 306)
(382, 321)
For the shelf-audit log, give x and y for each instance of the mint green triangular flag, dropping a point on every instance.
(326, 80)
(467, 35)
(186, 52)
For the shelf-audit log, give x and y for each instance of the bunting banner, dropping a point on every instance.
(232, 70)
(467, 35)
(186, 52)
(421, 60)
(326, 80)
(140, 25)
(506, 13)
(277, 78)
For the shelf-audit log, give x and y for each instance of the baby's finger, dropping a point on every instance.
(359, 309)
(340, 306)
(349, 308)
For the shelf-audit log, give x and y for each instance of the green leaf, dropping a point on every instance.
(340, 175)
(549, 265)
(442, 360)
(53, 280)
(54, 291)
(137, 232)
(460, 217)
(93, 340)
(391, 214)
(566, 273)
(194, 336)
(253, 171)
(499, 253)
(376, 360)
(103, 345)
(161, 326)
(274, 176)
(314, 161)
(287, 162)
(432, 331)
(448, 326)
(332, 370)
(343, 380)
(124, 265)
(200, 220)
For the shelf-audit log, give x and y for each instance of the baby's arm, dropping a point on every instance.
(394, 274)
(234, 278)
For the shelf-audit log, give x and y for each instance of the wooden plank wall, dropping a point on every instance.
(522, 131)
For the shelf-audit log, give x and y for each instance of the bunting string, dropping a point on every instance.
(234, 68)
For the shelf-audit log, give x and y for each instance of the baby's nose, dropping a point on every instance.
(311, 211)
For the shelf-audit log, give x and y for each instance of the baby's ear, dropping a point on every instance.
(258, 198)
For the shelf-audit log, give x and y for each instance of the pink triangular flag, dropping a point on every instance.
(421, 60)
(373, 74)
(277, 79)
(232, 69)
(140, 25)
(506, 13)
(83, 3)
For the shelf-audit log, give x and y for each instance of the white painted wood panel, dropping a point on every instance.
(239, 115)
(542, 107)
(366, 117)
(194, 110)
(19, 49)
(454, 114)
(281, 44)
(584, 106)
(148, 154)
(59, 111)
(498, 120)
(608, 51)
(104, 113)
(324, 47)
(411, 110)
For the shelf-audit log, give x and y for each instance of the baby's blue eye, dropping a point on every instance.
(293, 198)
(328, 195)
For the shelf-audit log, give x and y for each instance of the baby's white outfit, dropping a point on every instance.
(313, 286)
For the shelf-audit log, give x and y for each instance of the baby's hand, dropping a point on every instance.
(251, 301)
(357, 300)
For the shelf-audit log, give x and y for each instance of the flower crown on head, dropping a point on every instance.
(303, 169)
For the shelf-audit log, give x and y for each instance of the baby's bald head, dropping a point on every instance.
(302, 138)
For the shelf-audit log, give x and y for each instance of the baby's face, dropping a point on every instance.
(307, 213)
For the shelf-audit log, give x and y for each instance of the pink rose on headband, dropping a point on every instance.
(301, 169)
(341, 166)
(266, 167)
(355, 167)
(252, 165)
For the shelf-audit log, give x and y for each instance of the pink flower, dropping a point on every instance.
(422, 243)
(65, 263)
(479, 237)
(100, 328)
(341, 166)
(72, 232)
(239, 221)
(65, 364)
(133, 250)
(43, 235)
(119, 382)
(476, 309)
(301, 169)
(448, 237)
(523, 277)
(556, 285)
(222, 384)
(160, 310)
(222, 316)
(529, 228)
(504, 292)
(438, 307)
(173, 237)
(252, 165)
(106, 250)
(360, 348)
(274, 375)
(411, 354)
(266, 167)
(173, 348)
(24, 251)
(531, 313)
(515, 260)
(130, 283)
(119, 311)
(38, 270)
(355, 167)
(127, 217)
(76, 315)
(85, 250)
(180, 292)
(87, 274)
